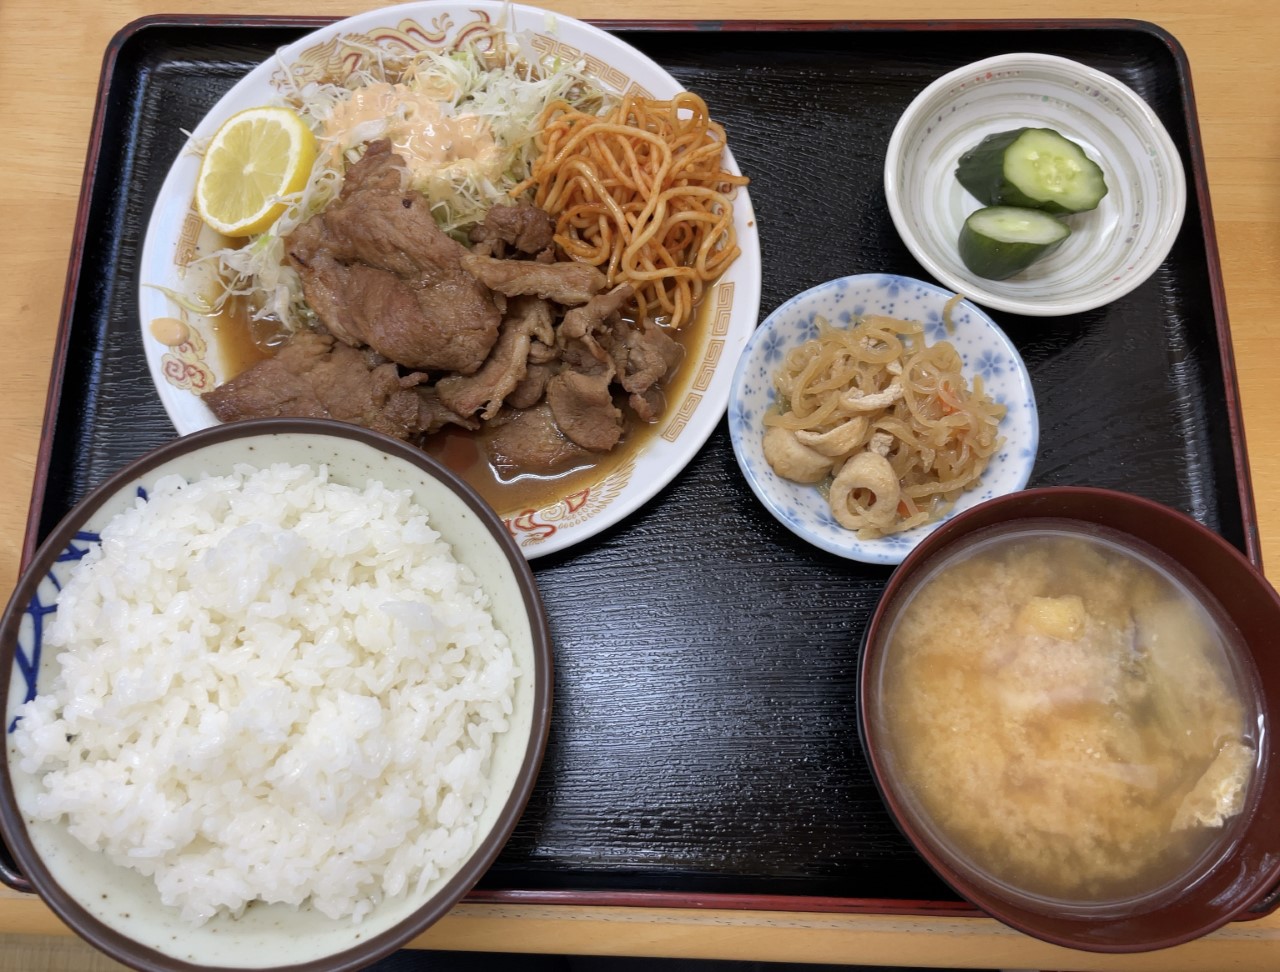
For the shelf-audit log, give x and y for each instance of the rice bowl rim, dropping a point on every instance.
(30, 866)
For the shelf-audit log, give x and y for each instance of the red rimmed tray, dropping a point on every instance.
(704, 749)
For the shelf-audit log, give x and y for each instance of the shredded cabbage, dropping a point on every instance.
(508, 86)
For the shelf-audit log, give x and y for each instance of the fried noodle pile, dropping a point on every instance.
(642, 193)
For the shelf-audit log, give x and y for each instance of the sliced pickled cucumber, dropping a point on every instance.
(1033, 167)
(999, 241)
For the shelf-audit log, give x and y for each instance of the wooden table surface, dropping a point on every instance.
(50, 55)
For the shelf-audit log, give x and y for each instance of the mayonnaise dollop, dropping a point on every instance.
(428, 139)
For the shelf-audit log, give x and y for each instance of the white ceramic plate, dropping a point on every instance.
(175, 232)
(985, 351)
(1112, 249)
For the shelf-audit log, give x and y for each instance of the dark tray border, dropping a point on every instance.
(1198, 181)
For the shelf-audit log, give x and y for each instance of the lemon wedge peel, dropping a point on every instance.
(254, 162)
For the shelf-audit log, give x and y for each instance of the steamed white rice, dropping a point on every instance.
(272, 687)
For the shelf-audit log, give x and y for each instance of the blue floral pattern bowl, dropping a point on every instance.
(984, 348)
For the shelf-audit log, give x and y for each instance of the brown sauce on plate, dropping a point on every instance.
(241, 342)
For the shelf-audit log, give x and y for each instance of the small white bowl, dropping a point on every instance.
(1111, 250)
(984, 349)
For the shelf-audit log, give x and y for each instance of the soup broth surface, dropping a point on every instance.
(1069, 716)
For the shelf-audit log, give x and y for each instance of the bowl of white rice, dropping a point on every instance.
(276, 695)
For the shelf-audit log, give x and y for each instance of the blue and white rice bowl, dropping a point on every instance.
(984, 350)
(120, 910)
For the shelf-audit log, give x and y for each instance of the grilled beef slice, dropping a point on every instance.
(524, 227)
(377, 270)
(568, 284)
(314, 376)
(529, 441)
(505, 368)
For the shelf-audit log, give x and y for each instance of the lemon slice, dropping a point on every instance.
(256, 157)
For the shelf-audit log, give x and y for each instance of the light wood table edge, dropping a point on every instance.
(762, 936)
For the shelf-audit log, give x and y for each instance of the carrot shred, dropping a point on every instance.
(946, 398)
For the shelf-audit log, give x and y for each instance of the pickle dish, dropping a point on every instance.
(1110, 250)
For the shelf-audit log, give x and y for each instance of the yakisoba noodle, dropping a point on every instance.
(885, 419)
(641, 193)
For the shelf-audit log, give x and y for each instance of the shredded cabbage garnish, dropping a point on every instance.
(507, 86)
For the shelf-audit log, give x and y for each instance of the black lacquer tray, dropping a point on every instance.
(704, 748)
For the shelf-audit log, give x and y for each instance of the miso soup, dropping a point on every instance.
(1069, 716)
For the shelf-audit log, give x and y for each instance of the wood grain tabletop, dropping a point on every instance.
(50, 57)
